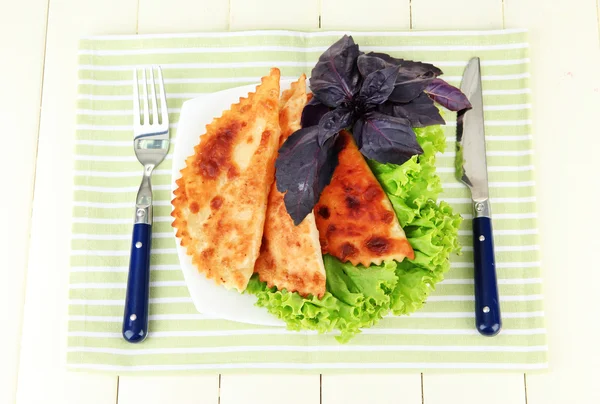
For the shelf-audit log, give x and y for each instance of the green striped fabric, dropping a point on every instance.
(107, 174)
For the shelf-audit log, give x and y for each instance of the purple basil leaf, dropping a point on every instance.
(332, 122)
(408, 91)
(407, 64)
(385, 138)
(386, 58)
(412, 79)
(368, 64)
(313, 112)
(413, 68)
(447, 95)
(378, 85)
(420, 112)
(335, 77)
(303, 169)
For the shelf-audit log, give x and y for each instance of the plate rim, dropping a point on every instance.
(262, 316)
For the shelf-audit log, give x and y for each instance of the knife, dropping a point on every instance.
(471, 169)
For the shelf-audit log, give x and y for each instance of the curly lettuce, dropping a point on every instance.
(358, 296)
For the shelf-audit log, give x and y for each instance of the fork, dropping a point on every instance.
(151, 145)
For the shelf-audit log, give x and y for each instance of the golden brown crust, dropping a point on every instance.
(221, 198)
(290, 255)
(291, 110)
(354, 216)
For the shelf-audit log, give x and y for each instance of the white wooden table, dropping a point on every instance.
(38, 62)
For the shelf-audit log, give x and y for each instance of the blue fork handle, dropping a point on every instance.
(135, 318)
(487, 302)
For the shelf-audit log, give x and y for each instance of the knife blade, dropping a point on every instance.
(471, 169)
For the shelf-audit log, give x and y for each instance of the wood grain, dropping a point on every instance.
(156, 16)
(274, 14)
(182, 389)
(271, 14)
(466, 388)
(372, 388)
(359, 15)
(474, 388)
(565, 57)
(162, 17)
(87, 388)
(270, 389)
(336, 14)
(22, 40)
(456, 14)
(405, 388)
(42, 375)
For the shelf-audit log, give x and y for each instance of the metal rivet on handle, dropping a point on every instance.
(133, 317)
(141, 213)
(482, 238)
(138, 244)
(486, 309)
(479, 207)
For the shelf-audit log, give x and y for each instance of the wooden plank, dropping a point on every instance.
(598, 16)
(270, 389)
(89, 389)
(465, 387)
(565, 57)
(380, 389)
(163, 17)
(22, 37)
(42, 375)
(474, 388)
(456, 14)
(355, 15)
(172, 389)
(250, 389)
(156, 16)
(274, 14)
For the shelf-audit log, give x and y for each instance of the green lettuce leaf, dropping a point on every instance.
(358, 297)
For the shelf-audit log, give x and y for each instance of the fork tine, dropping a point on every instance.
(153, 93)
(146, 112)
(136, 99)
(163, 98)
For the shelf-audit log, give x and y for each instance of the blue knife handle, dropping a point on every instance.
(135, 318)
(487, 302)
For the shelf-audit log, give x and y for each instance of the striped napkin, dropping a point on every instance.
(440, 336)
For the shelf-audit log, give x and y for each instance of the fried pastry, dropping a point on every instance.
(290, 256)
(221, 198)
(354, 216)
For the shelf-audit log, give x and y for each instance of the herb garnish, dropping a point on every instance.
(379, 98)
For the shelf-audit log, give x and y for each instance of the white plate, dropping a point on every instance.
(208, 297)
